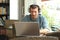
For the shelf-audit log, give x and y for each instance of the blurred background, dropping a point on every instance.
(49, 8)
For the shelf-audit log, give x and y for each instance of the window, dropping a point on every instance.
(51, 9)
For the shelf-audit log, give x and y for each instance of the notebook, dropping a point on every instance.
(27, 28)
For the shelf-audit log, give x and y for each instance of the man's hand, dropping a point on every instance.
(44, 31)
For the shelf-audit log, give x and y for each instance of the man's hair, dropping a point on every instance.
(33, 6)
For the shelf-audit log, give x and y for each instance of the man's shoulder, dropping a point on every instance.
(41, 15)
(27, 16)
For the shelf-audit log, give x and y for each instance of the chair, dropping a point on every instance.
(10, 31)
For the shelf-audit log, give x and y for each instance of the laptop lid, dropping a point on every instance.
(27, 28)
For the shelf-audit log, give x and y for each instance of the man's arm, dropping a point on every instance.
(45, 26)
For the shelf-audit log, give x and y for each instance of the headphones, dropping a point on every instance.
(33, 6)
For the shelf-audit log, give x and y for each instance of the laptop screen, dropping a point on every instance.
(27, 28)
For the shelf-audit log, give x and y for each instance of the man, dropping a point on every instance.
(34, 16)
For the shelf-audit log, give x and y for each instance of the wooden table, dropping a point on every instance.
(35, 38)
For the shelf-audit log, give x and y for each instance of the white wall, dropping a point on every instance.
(13, 9)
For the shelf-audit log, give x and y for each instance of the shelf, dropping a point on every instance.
(1, 26)
(4, 15)
(4, 4)
(4, 11)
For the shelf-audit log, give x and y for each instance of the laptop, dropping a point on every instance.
(27, 28)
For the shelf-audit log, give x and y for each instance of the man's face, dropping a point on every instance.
(34, 12)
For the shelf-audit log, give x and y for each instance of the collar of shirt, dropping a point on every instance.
(36, 20)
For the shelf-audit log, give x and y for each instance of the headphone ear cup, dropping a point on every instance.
(39, 10)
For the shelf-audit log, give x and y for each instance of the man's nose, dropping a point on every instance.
(33, 13)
